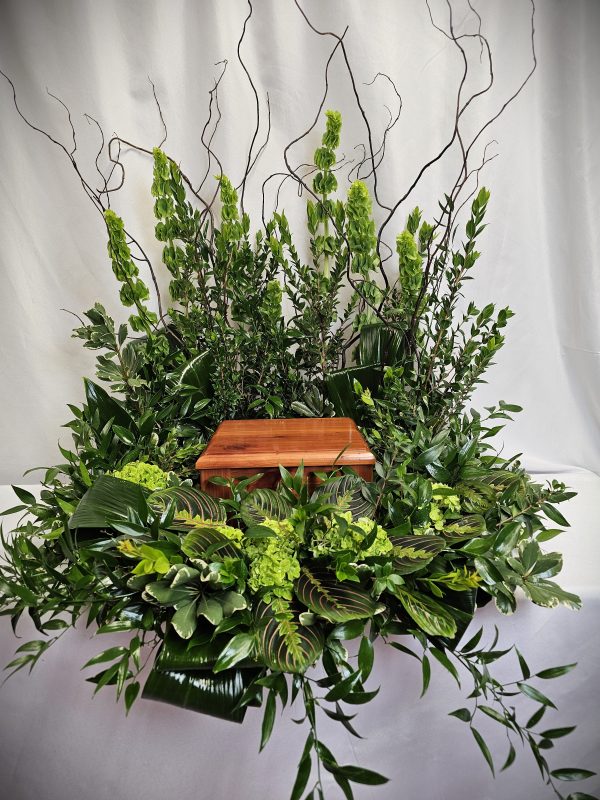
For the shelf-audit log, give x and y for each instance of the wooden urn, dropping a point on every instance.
(245, 447)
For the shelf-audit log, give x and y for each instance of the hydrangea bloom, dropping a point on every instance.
(144, 474)
(335, 537)
(273, 562)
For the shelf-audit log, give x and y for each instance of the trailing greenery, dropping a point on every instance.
(229, 604)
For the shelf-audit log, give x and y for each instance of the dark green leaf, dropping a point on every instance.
(554, 514)
(535, 694)
(238, 648)
(360, 775)
(268, 719)
(429, 615)
(284, 644)
(445, 662)
(557, 733)
(509, 758)
(109, 498)
(555, 672)
(365, 657)
(462, 713)
(426, 672)
(484, 748)
(572, 774)
(24, 496)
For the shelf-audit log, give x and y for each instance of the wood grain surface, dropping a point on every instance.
(242, 448)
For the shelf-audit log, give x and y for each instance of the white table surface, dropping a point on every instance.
(57, 743)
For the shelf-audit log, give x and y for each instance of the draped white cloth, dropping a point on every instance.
(540, 255)
(540, 252)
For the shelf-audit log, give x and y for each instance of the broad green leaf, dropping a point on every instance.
(339, 387)
(461, 713)
(347, 630)
(237, 649)
(430, 455)
(464, 528)
(216, 695)
(24, 496)
(349, 493)
(337, 601)
(108, 498)
(549, 594)
(194, 377)
(184, 620)
(211, 609)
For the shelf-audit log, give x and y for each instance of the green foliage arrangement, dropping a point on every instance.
(229, 604)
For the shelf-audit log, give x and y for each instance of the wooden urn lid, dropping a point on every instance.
(322, 442)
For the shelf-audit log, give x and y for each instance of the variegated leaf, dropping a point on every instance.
(208, 543)
(430, 616)
(464, 528)
(335, 600)
(283, 643)
(347, 491)
(264, 504)
(413, 552)
(191, 501)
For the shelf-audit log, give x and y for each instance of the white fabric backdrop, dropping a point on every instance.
(540, 252)
(540, 256)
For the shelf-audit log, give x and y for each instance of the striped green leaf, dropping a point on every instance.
(464, 528)
(430, 616)
(206, 543)
(348, 492)
(190, 500)
(413, 552)
(264, 504)
(283, 643)
(337, 601)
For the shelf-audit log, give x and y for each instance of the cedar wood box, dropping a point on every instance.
(245, 447)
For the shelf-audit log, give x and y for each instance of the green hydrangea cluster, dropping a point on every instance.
(336, 536)
(443, 505)
(273, 561)
(148, 475)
